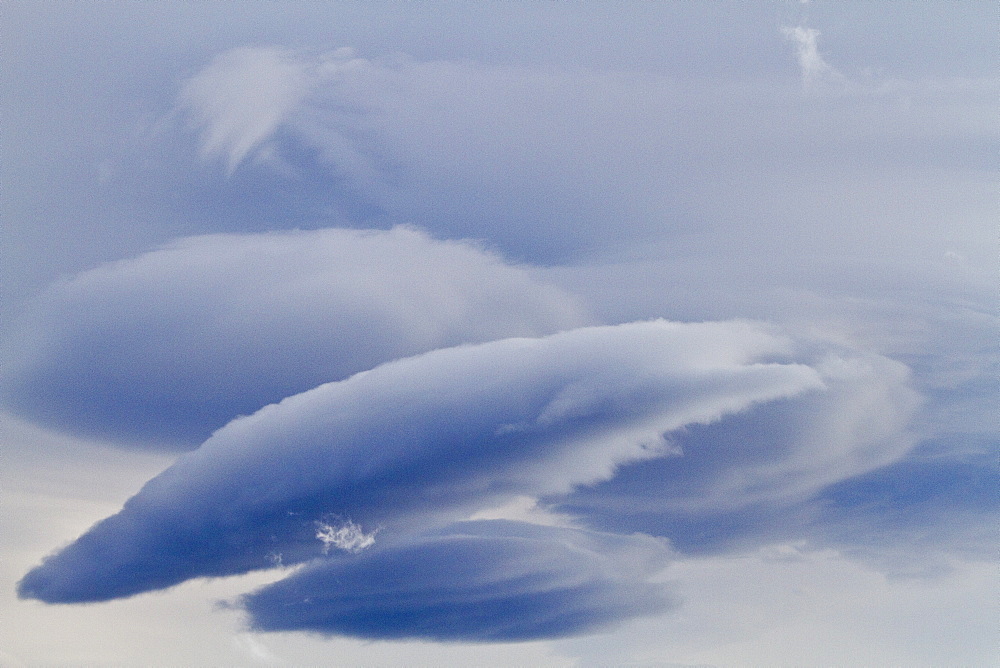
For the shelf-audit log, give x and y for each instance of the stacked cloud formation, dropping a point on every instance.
(370, 479)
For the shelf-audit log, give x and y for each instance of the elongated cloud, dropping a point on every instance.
(550, 164)
(171, 345)
(473, 581)
(422, 440)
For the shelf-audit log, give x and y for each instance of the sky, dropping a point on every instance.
(499, 334)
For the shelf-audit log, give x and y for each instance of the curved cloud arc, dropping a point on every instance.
(169, 346)
(423, 440)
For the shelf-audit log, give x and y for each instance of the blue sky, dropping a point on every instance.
(503, 334)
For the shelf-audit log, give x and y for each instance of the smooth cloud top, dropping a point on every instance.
(419, 441)
(171, 345)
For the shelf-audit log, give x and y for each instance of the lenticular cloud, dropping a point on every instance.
(484, 581)
(419, 443)
(167, 347)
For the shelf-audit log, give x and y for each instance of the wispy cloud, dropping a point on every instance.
(344, 535)
(429, 441)
(815, 69)
(241, 98)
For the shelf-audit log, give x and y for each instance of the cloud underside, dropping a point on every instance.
(433, 417)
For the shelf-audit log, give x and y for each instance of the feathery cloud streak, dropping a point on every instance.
(814, 67)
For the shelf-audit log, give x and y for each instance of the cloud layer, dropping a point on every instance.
(551, 164)
(169, 346)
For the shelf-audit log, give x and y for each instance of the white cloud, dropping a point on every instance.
(814, 68)
(425, 439)
(212, 327)
(242, 97)
(345, 535)
(763, 204)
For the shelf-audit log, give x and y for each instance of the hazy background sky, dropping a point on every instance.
(211, 207)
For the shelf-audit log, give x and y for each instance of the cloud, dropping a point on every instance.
(691, 161)
(814, 68)
(168, 346)
(916, 516)
(555, 164)
(748, 476)
(475, 581)
(419, 441)
(465, 149)
(345, 535)
(242, 97)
